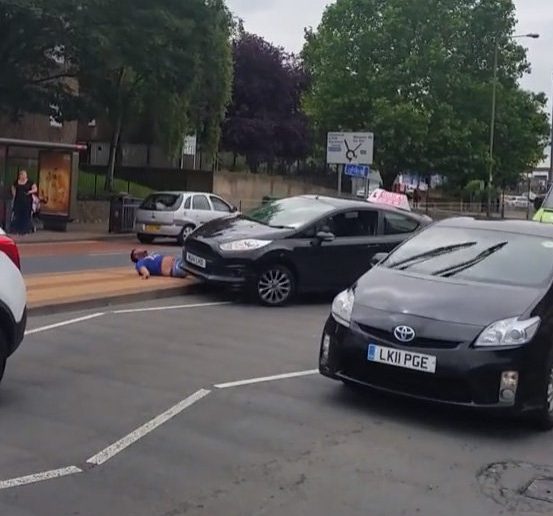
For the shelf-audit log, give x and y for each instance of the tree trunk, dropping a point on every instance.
(388, 179)
(116, 137)
(234, 160)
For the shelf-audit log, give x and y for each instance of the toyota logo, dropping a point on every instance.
(404, 334)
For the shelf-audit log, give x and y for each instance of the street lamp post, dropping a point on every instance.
(551, 149)
(494, 109)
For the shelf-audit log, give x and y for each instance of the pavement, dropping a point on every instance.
(49, 293)
(75, 232)
(201, 407)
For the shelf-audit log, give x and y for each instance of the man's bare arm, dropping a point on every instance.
(144, 273)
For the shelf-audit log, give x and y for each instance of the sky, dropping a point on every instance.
(283, 21)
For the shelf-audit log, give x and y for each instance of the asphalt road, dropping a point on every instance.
(300, 445)
(78, 256)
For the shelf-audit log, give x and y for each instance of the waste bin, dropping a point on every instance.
(122, 213)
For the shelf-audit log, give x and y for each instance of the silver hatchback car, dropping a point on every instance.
(177, 214)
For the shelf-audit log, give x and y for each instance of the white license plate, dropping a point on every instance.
(152, 228)
(401, 358)
(196, 260)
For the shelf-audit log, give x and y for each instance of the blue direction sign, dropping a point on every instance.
(357, 171)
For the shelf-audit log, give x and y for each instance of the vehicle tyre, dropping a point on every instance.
(544, 418)
(3, 353)
(145, 239)
(275, 285)
(185, 233)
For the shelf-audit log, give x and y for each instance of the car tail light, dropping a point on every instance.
(9, 247)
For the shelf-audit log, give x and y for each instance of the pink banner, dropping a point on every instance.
(391, 199)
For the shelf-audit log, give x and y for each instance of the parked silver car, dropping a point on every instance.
(177, 214)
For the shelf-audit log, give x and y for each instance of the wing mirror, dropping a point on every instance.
(378, 258)
(325, 236)
(538, 202)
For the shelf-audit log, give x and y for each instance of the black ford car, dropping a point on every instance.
(462, 313)
(306, 243)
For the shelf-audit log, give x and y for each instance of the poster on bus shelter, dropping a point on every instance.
(54, 182)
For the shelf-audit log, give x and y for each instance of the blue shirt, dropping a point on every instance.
(152, 263)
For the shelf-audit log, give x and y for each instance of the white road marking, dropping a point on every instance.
(39, 477)
(165, 308)
(112, 450)
(64, 323)
(241, 383)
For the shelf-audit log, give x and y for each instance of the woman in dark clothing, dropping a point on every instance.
(22, 192)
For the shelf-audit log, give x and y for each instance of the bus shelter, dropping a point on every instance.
(54, 167)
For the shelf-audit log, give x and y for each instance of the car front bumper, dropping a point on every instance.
(464, 376)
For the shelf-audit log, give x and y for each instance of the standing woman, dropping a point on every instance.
(22, 192)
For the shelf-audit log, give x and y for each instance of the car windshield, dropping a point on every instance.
(294, 212)
(482, 256)
(161, 202)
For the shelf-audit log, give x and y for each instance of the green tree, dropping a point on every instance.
(34, 42)
(169, 59)
(419, 74)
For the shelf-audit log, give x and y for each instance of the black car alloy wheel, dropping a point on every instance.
(185, 233)
(275, 285)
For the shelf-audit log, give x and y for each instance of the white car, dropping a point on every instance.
(13, 301)
(177, 214)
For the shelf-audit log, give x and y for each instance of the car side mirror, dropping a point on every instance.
(538, 203)
(326, 236)
(378, 258)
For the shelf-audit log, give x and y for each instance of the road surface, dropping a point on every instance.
(76, 256)
(150, 412)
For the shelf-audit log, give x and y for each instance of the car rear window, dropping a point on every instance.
(161, 202)
(482, 256)
(396, 224)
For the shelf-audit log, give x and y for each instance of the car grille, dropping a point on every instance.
(419, 342)
(407, 382)
(200, 249)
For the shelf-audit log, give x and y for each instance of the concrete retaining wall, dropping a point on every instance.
(244, 190)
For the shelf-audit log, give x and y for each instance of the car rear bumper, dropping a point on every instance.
(464, 376)
(163, 230)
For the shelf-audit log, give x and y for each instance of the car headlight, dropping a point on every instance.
(342, 307)
(245, 245)
(509, 332)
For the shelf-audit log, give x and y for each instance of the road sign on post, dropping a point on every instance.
(361, 171)
(350, 149)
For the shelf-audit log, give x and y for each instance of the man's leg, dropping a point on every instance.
(178, 269)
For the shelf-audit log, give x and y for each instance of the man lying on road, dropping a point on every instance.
(157, 265)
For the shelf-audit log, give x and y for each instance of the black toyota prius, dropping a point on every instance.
(305, 243)
(462, 313)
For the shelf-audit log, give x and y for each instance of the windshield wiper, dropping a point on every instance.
(460, 267)
(414, 260)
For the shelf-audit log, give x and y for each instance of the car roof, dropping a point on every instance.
(345, 203)
(180, 192)
(522, 227)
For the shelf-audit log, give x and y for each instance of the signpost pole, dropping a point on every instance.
(367, 182)
(340, 170)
